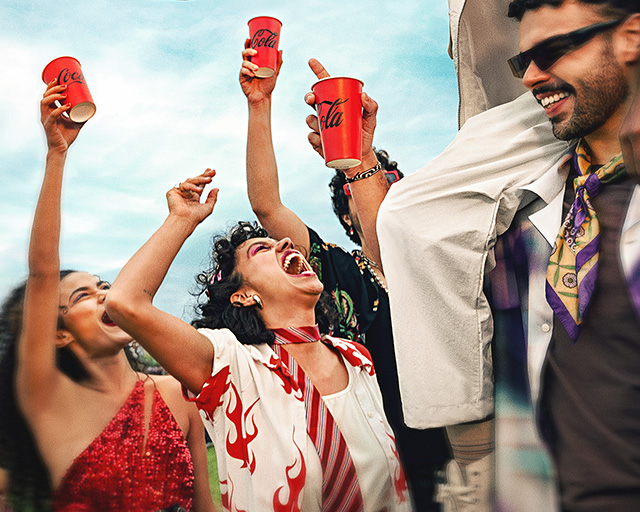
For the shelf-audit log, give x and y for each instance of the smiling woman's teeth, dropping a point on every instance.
(293, 264)
(550, 100)
(287, 262)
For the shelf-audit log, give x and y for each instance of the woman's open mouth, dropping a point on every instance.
(295, 265)
(106, 319)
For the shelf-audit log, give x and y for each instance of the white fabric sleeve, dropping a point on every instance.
(437, 228)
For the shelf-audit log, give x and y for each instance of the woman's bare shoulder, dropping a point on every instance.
(170, 390)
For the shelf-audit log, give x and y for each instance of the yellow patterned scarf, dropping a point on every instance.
(573, 265)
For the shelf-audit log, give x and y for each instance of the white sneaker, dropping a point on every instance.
(472, 492)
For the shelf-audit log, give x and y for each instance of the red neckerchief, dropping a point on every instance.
(340, 486)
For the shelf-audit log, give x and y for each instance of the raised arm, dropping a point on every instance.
(36, 370)
(262, 171)
(367, 193)
(177, 346)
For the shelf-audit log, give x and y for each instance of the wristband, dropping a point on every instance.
(364, 174)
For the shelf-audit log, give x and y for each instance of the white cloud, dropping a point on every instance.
(164, 75)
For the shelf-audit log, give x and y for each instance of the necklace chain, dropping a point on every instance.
(373, 268)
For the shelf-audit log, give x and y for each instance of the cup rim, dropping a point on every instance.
(270, 17)
(327, 78)
(58, 58)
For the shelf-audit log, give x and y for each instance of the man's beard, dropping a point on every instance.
(596, 97)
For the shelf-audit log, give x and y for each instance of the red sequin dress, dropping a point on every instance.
(117, 473)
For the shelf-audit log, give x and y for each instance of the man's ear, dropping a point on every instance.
(630, 33)
(63, 338)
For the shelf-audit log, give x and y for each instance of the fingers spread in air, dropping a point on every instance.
(197, 183)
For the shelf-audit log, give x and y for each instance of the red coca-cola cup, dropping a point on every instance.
(67, 71)
(339, 110)
(264, 32)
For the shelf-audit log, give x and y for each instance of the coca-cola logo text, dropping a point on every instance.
(333, 116)
(67, 77)
(264, 38)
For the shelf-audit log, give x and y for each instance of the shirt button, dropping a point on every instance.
(546, 327)
(370, 414)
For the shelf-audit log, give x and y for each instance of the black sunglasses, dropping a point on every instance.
(545, 53)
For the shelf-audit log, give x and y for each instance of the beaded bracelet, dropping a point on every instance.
(364, 174)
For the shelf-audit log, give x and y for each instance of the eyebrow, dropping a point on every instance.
(86, 288)
(81, 289)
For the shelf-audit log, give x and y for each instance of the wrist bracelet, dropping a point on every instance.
(365, 174)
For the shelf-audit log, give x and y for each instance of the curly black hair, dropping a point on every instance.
(611, 8)
(339, 200)
(218, 284)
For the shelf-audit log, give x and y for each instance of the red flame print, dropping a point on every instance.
(239, 448)
(224, 495)
(289, 385)
(213, 390)
(226, 498)
(354, 353)
(295, 484)
(399, 480)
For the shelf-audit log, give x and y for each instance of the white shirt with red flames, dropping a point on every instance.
(255, 416)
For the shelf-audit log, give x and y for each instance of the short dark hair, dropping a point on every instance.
(610, 8)
(219, 283)
(339, 200)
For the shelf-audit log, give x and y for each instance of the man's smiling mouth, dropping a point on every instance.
(550, 100)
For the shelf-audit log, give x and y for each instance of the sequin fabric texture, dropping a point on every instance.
(117, 472)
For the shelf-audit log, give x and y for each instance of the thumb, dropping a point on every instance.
(318, 69)
(369, 106)
(212, 197)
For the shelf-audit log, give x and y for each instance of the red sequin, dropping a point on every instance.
(117, 473)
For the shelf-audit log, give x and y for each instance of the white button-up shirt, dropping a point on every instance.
(257, 422)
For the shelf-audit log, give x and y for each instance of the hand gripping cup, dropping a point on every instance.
(339, 110)
(264, 32)
(67, 72)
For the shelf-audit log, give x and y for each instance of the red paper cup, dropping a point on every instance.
(67, 72)
(264, 32)
(339, 110)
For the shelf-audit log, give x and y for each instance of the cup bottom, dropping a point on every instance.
(343, 163)
(82, 112)
(265, 72)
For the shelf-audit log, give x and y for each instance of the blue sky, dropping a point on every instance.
(164, 76)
